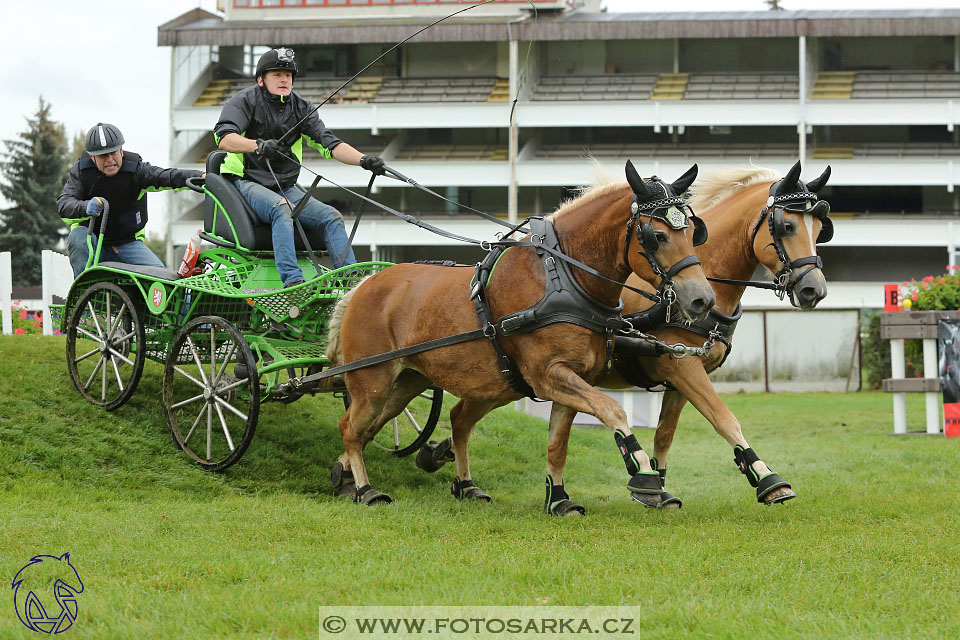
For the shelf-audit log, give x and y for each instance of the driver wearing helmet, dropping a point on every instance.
(105, 172)
(260, 128)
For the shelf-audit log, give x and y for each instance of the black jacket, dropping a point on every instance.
(257, 114)
(125, 192)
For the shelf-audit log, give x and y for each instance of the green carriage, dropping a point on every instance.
(230, 338)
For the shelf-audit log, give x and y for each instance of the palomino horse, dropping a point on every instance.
(408, 304)
(750, 223)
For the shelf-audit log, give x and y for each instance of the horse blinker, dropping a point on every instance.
(700, 232)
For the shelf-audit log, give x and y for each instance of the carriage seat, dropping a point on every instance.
(159, 273)
(250, 232)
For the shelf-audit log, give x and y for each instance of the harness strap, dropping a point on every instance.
(508, 367)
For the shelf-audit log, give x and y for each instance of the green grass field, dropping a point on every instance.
(167, 550)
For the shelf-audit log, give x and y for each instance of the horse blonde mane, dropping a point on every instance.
(602, 183)
(334, 348)
(713, 187)
(706, 191)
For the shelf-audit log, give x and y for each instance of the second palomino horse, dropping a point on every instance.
(753, 218)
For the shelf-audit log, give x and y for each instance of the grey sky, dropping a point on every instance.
(99, 60)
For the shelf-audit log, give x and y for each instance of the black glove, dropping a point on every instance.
(373, 164)
(268, 149)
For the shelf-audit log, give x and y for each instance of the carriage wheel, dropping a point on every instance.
(211, 413)
(105, 345)
(411, 429)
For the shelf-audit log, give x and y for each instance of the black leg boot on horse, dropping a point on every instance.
(558, 503)
(645, 486)
(765, 484)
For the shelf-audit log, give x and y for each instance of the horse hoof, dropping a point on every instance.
(670, 502)
(342, 481)
(773, 489)
(369, 496)
(467, 490)
(779, 495)
(652, 500)
(434, 455)
(567, 509)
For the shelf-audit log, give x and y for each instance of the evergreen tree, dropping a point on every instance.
(33, 170)
(774, 5)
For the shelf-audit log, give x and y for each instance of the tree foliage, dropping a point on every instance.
(33, 169)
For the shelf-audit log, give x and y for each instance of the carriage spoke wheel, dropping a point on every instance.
(410, 430)
(105, 345)
(212, 414)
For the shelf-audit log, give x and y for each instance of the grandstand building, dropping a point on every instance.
(875, 94)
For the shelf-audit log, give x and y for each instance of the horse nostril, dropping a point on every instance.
(700, 306)
(808, 295)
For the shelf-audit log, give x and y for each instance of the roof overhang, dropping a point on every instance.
(199, 27)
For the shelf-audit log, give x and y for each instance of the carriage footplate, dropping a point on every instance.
(342, 481)
(467, 490)
(434, 455)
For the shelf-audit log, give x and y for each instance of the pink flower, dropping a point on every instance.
(914, 297)
(23, 314)
(927, 279)
(19, 331)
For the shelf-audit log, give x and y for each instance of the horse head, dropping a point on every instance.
(797, 220)
(660, 220)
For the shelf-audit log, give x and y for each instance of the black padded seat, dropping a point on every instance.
(250, 232)
(160, 273)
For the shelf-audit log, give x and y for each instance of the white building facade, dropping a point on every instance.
(498, 108)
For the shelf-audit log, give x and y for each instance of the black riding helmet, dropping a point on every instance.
(103, 138)
(277, 59)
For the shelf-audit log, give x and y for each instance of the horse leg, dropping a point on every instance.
(463, 417)
(359, 424)
(692, 382)
(557, 502)
(670, 409)
(567, 388)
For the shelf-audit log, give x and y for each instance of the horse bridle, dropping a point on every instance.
(801, 203)
(677, 215)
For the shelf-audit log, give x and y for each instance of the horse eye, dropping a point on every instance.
(789, 228)
(662, 236)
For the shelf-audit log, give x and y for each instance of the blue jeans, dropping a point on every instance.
(315, 216)
(129, 252)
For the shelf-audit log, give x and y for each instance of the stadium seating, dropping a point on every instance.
(886, 85)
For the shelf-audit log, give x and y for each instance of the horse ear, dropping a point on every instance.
(789, 182)
(817, 183)
(683, 183)
(636, 182)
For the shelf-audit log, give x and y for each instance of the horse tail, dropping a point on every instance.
(334, 348)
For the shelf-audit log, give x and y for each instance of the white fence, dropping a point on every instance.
(57, 279)
(6, 289)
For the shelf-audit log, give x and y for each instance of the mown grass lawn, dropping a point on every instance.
(166, 550)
